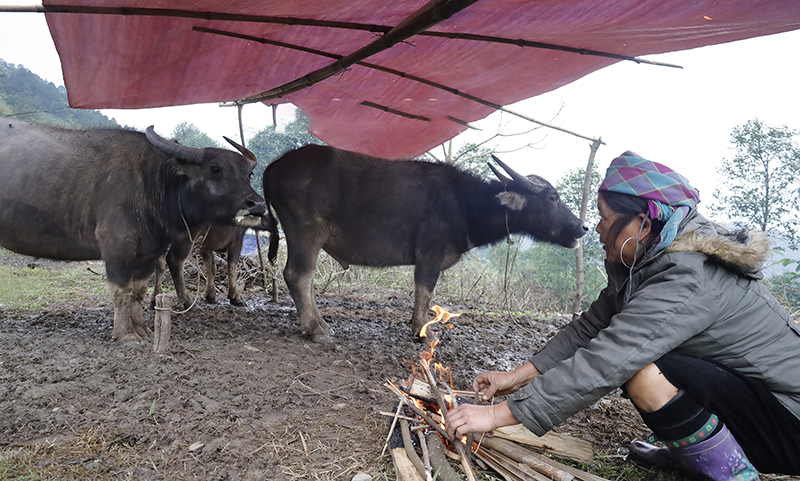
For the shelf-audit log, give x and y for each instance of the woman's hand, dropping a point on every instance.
(469, 418)
(493, 383)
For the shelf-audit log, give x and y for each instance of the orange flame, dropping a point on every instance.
(441, 316)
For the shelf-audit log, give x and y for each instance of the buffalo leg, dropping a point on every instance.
(176, 258)
(137, 308)
(424, 282)
(232, 256)
(299, 275)
(210, 269)
(128, 325)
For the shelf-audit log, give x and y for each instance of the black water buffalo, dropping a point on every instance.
(117, 195)
(367, 211)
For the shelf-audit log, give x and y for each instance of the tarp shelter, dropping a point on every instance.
(410, 74)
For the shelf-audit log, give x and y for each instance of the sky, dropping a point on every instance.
(679, 117)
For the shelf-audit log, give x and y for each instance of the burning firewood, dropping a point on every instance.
(428, 400)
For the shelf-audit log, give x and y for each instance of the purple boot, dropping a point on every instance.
(719, 458)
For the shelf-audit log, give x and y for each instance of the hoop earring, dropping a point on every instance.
(622, 259)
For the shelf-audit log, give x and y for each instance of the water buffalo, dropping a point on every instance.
(368, 211)
(227, 239)
(117, 195)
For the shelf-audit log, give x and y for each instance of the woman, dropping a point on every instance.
(706, 354)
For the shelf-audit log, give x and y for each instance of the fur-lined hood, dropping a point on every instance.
(741, 249)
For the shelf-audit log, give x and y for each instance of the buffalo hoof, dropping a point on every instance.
(237, 302)
(321, 338)
(130, 339)
(211, 300)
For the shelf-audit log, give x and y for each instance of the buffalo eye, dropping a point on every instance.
(554, 198)
(214, 169)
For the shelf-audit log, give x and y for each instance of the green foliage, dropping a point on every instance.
(189, 135)
(24, 95)
(761, 181)
(474, 159)
(268, 144)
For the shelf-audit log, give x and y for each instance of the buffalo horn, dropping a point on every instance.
(503, 178)
(245, 152)
(181, 152)
(526, 182)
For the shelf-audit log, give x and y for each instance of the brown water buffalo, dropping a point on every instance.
(368, 211)
(117, 195)
(227, 239)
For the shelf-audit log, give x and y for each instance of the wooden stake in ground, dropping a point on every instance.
(163, 323)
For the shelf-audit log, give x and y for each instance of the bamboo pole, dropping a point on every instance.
(429, 15)
(390, 71)
(310, 22)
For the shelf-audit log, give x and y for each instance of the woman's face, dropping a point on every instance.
(614, 247)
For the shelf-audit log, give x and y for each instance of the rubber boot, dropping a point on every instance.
(719, 458)
(648, 455)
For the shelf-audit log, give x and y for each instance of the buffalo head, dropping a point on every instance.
(536, 208)
(216, 182)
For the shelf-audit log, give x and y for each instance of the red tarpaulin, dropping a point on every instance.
(139, 61)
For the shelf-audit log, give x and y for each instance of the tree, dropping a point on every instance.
(26, 96)
(470, 157)
(761, 181)
(188, 134)
(268, 144)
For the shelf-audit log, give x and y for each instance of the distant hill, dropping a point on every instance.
(25, 95)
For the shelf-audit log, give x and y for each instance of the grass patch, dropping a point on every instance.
(27, 288)
(85, 456)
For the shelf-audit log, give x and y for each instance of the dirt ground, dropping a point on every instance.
(241, 394)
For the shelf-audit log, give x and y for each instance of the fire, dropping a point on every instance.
(443, 317)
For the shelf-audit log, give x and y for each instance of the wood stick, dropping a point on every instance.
(441, 467)
(385, 413)
(522, 455)
(409, 445)
(403, 467)
(423, 445)
(506, 467)
(562, 445)
(578, 473)
(465, 464)
(419, 412)
(394, 423)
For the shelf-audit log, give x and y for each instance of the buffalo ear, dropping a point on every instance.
(512, 200)
(244, 151)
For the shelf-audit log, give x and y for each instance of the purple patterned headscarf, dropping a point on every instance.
(668, 193)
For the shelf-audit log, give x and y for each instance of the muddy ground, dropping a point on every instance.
(263, 401)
